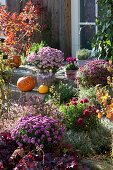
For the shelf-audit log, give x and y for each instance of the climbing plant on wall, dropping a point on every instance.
(103, 42)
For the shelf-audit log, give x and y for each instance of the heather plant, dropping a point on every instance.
(33, 106)
(93, 73)
(61, 93)
(95, 142)
(46, 59)
(35, 130)
(80, 115)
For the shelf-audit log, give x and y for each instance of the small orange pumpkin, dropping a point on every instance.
(43, 89)
(15, 61)
(26, 83)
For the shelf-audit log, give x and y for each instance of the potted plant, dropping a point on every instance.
(47, 62)
(71, 68)
(83, 55)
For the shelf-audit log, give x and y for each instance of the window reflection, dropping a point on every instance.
(86, 36)
(87, 10)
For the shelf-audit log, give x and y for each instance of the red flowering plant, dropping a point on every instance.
(93, 73)
(81, 115)
(72, 64)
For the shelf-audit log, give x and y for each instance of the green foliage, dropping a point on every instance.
(93, 73)
(72, 67)
(80, 115)
(89, 93)
(62, 93)
(83, 54)
(23, 60)
(96, 141)
(5, 91)
(103, 42)
(36, 46)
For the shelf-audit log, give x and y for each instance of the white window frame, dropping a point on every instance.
(75, 24)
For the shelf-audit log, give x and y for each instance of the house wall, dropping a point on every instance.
(59, 16)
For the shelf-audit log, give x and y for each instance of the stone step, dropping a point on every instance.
(18, 94)
(28, 70)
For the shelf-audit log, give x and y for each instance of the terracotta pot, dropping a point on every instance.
(70, 74)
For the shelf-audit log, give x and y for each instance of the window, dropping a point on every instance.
(88, 14)
(3, 2)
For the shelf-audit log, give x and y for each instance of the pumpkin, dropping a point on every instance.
(15, 61)
(43, 89)
(26, 83)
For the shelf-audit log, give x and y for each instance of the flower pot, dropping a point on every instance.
(46, 79)
(83, 62)
(70, 74)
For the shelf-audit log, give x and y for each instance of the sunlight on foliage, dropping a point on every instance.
(105, 97)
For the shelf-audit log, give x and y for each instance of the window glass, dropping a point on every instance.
(87, 10)
(2, 2)
(86, 35)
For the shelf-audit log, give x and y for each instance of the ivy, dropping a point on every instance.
(103, 41)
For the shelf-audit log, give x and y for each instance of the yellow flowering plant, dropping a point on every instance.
(105, 96)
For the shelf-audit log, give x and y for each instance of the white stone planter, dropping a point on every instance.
(83, 62)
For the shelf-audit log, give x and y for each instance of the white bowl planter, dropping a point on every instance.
(83, 62)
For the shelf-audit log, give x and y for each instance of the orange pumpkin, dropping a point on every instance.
(43, 89)
(26, 83)
(15, 61)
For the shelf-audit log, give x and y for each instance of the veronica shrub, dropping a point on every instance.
(93, 73)
(36, 131)
(61, 93)
(80, 115)
(46, 59)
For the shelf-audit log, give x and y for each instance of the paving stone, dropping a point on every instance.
(28, 70)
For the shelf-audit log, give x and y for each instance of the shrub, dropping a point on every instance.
(105, 96)
(89, 93)
(33, 106)
(72, 64)
(35, 161)
(7, 146)
(36, 131)
(93, 73)
(36, 46)
(61, 93)
(103, 40)
(83, 54)
(47, 59)
(71, 67)
(94, 142)
(81, 116)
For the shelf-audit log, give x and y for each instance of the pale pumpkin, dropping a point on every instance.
(43, 89)
(15, 61)
(26, 83)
